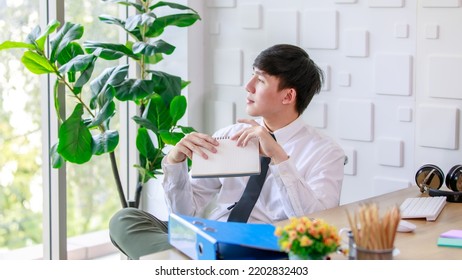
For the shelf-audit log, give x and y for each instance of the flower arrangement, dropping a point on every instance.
(308, 239)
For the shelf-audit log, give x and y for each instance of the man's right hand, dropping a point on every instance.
(192, 143)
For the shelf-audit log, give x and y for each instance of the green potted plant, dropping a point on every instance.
(86, 131)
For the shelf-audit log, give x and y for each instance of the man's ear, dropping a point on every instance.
(290, 96)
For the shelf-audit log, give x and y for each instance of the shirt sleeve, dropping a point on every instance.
(314, 187)
(184, 195)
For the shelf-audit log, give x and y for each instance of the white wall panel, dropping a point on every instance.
(401, 30)
(404, 114)
(356, 120)
(356, 42)
(445, 76)
(320, 29)
(282, 27)
(438, 126)
(390, 151)
(432, 31)
(386, 3)
(250, 16)
(344, 79)
(393, 74)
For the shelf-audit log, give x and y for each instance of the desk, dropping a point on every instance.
(420, 244)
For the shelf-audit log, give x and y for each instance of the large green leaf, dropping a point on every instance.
(78, 63)
(72, 50)
(112, 20)
(51, 27)
(171, 138)
(16, 45)
(145, 123)
(109, 77)
(171, 5)
(109, 51)
(106, 96)
(178, 108)
(167, 85)
(116, 21)
(75, 140)
(157, 113)
(160, 46)
(180, 20)
(106, 112)
(144, 144)
(85, 64)
(186, 129)
(68, 33)
(84, 76)
(36, 63)
(105, 142)
(134, 90)
(135, 21)
(154, 59)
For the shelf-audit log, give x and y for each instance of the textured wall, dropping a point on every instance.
(393, 91)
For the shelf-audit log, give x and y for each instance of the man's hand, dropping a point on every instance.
(268, 146)
(192, 143)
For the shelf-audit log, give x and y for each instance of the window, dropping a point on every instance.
(91, 193)
(20, 135)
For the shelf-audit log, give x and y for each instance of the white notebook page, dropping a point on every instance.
(229, 160)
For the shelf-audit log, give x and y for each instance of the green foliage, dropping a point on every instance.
(86, 132)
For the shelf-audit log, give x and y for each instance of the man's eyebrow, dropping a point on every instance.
(260, 72)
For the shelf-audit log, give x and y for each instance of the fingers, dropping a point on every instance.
(239, 134)
(193, 143)
(247, 134)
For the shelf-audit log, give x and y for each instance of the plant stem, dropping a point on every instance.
(115, 171)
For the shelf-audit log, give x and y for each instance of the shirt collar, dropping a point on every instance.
(284, 134)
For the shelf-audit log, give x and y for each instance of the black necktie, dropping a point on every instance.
(242, 209)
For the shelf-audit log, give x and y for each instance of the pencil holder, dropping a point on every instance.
(368, 254)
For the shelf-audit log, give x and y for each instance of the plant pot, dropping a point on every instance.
(153, 199)
(293, 256)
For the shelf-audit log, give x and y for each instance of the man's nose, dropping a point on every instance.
(250, 85)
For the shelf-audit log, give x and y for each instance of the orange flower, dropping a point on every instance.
(305, 241)
(306, 237)
(278, 232)
(301, 228)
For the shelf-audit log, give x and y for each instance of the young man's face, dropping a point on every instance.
(263, 97)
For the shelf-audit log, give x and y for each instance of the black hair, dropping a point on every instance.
(295, 69)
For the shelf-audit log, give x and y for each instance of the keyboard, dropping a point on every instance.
(422, 207)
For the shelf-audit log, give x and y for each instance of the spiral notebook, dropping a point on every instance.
(229, 160)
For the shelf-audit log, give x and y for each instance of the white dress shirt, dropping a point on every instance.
(309, 181)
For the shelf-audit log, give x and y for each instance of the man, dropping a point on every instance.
(305, 173)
